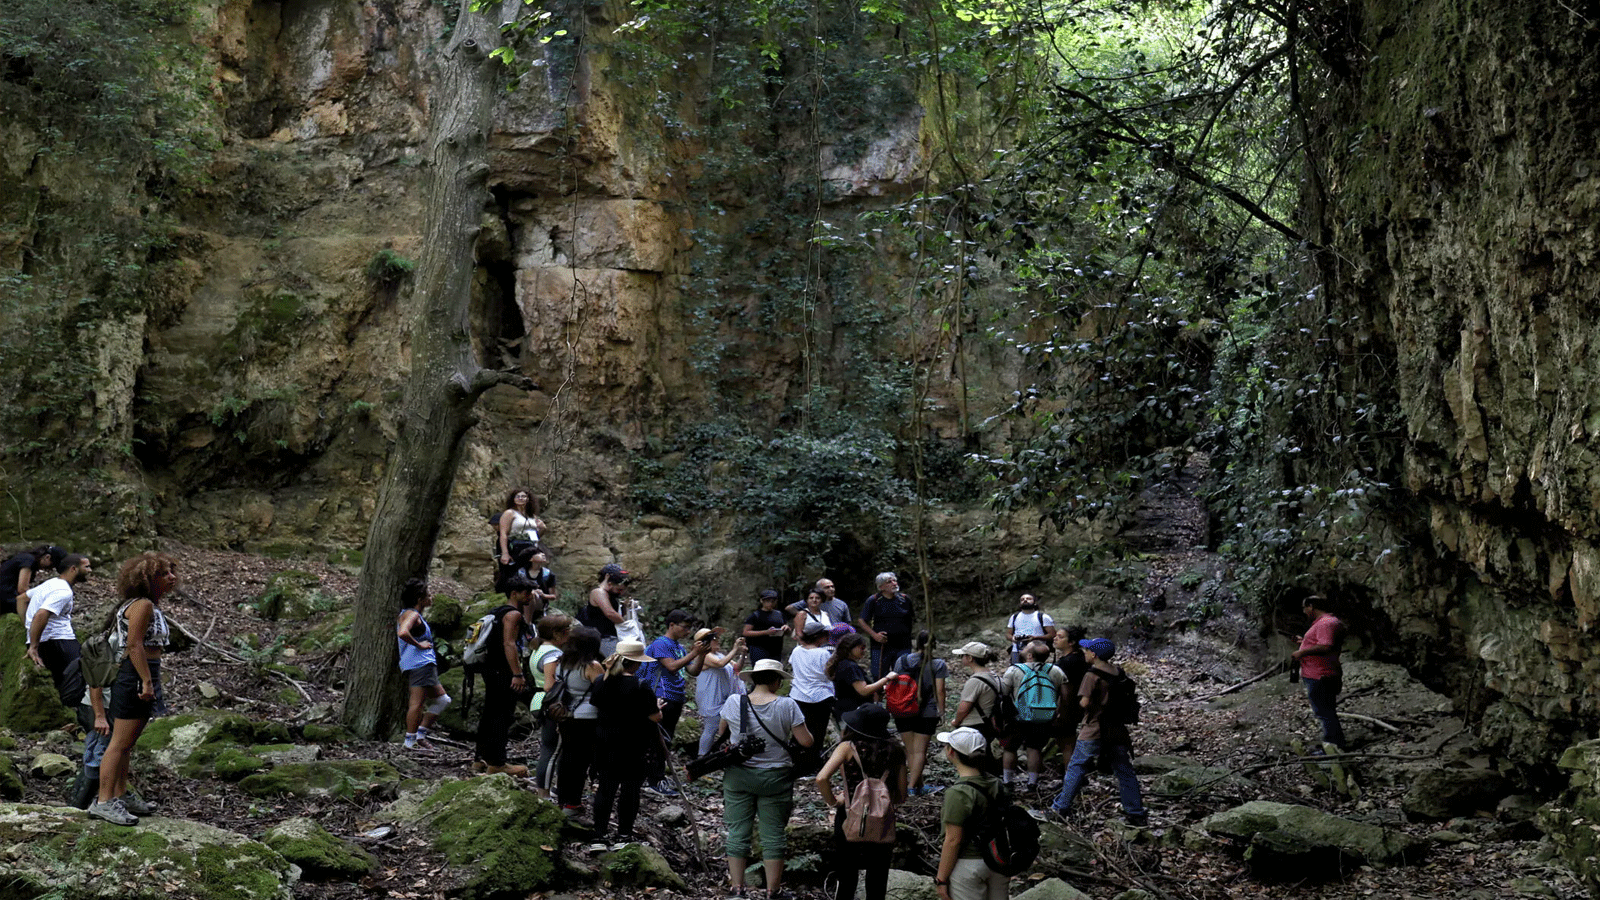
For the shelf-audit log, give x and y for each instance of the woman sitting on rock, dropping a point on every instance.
(136, 694)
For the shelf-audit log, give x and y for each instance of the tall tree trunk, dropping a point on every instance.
(445, 380)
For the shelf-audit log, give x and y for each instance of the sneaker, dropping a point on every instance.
(625, 840)
(738, 892)
(1058, 816)
(135, 804)
(662, 788)
(479, 765)
(572, 812)
(422, 745)
(113, 811)
(599, 845)
(931, 789)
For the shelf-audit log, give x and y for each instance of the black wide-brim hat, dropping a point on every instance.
(869, 720)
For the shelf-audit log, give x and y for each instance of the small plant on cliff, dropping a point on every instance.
(388, 268)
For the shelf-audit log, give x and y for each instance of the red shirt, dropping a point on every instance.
(1325, 630)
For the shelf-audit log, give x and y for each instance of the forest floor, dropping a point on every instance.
(1252, 731)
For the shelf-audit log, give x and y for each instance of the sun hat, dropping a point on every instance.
(974, 649)
(1101, 647)
(633, 651)
(966, 741)
(704, 633)
(765, 665)
(870, 720)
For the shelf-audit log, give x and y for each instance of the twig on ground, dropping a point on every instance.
(1276, 668)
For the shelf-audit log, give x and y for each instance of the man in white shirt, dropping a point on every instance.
(1028, 623)
(51, 642)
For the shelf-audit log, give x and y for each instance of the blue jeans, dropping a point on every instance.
(885, 655)
(1324, 696)
(1121, 766)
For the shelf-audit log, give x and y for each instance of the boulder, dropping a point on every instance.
(1053, 889)
(344, 778)
(1194, 781)
(51, 765)
(319, 733)
(10, 780)
(29, 702)
(291, 595)
(319, 854)
(639, 866)
(1062, 849)
(1156, 764)
(498, 838)
(1445, 793)
(1570, 821)
(905, 885)
(1297, 842)
(61, 853)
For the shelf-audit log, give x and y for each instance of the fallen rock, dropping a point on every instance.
(29, 702)
(1156, 764)
(345, 778)
(1062, 849)
(51, 765)
(10, 780)
(498, 838)
(1194, 781)
(672, 817)
(638, 865)
(1445, 793)
(1053, 889)
(63, 854)
(319, 854)
(1298, 842)
(905, 885)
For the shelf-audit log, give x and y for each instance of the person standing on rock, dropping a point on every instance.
(888, 620)
(16, 574)
(52, 644)
(136, 694)
(1029, 622)
(518, 528)
(504, 678)
(1320, 669)
(418, 664)
(1101, 736)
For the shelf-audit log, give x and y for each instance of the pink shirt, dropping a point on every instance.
(1325, 630)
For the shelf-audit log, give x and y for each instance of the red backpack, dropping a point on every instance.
(901, 696)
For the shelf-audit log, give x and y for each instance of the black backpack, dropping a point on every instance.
(1008, 837)
(1002, 714)
(1122, 700)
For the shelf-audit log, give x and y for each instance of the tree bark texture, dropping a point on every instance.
(445, 380)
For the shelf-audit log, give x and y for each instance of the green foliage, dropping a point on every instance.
(388, 268)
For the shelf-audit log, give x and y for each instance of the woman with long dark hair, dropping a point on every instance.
(627, 724)
(866, 750)
(519, 528)
(918, 730)
(850, 685)
(136, 694)
(582, 670)
(418, 664)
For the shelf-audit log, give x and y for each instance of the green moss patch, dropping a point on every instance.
(326, 734)
(345, 778)
(494, 833)
(29, 702)
(319, 854)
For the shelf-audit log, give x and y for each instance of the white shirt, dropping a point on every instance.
(54, 596)
(811, 683)
(1030, 624)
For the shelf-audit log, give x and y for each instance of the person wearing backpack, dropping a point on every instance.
(929, 675)
(874, 770)
(1036, 688)
(517, 528)
(419, 665)
(981, 705)
(762, 786)
(580, 671)
(962, 873)
(552, 632)
(1027, 624)
(504, 678)
(1103, 735)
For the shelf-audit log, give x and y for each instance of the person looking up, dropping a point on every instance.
(627, 723)
(887, 618)
(552, 631)
(1027, 623)
(1320, 667)
(419, 664)
(1036, 687)
(764, 629)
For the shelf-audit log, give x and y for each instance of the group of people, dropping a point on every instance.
(112, 722)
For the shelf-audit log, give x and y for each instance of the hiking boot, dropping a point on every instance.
(133, 803)
(513, 771)
(1137, 820)
(114, 812)
(600, 845)
(85, 790)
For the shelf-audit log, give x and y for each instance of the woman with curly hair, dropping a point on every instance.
(136, 694)
(850, 685)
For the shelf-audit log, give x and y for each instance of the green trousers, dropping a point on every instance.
(751, 793)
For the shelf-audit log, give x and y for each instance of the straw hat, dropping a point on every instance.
(765, 665)
(632, 651)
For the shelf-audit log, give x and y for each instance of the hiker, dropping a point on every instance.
(136, 695)
(627, 722)
(850, 685)
(582, 670)
(917, 731)
(811, 611)
(1069, 659)
(96, 737)
(670, 660)
(605, 607)
(1027, 623)
(505, 681)
(887, 618)
(1320, 668)
(533, 563)
(762, 786)
(718, 680)
(1036, 687)
(979, 705)
(962, 874)
(765, 628)
(518, 527)
(811, 686)
(1101, 737)
(551, 632)
(866, 751)
(418, 662)
(837, 610)
(52, 644)
(16, 575)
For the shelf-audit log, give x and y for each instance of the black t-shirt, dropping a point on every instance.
(765, 647)
(891, 615)
(626, 705)
(845, 695)
(9, 570)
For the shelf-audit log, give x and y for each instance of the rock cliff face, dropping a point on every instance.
(255, 402)
(1458, 205)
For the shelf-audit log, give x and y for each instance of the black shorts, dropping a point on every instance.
(125, 702)
(917, 724)
(423, 676)
(1033, 735)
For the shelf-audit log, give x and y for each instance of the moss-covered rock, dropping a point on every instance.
(51, 765)
(1288, 841)
(232, 764)
(65, 855)
(345, 778)
(1192, 780)
(445, 615)
(496, 836)
(638, 865)
(1053, 889)
(10, 780)
(192, 743)
(327, 633)
(319, 854)
(1568, 820)
(290, 595)
(29, 702)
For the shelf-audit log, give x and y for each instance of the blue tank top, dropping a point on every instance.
(411, 657)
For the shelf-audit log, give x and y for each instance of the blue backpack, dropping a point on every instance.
(1038, 699)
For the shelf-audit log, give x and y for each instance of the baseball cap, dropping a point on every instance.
(974, 649)
(966, 741)
(813, 627)
(1102, 647)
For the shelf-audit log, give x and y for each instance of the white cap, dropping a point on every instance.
(967, 741)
